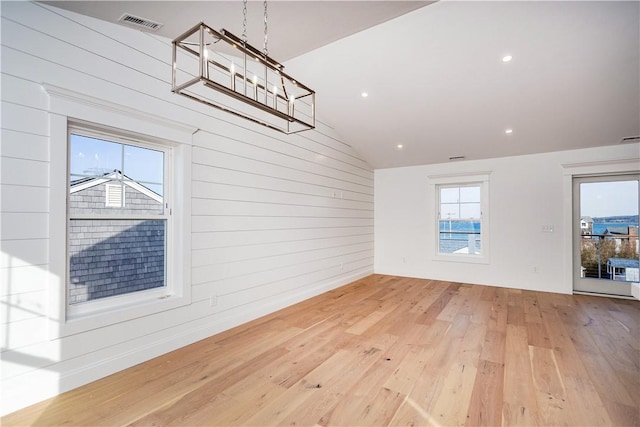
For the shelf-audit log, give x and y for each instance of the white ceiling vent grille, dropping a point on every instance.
(136, 21)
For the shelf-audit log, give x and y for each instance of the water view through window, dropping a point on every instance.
(609, 245)
(459, 223)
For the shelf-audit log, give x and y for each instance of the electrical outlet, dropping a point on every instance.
(547, 228)
(213, 300)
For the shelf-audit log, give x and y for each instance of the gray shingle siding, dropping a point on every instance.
(92, 200)
(112, 257)
(452, 245)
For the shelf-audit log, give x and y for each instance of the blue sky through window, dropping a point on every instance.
(614, 198)
(95, 157)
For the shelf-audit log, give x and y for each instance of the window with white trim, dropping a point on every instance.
(462, 226)
(74, 112)
(119, 219)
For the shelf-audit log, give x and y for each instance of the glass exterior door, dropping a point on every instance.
(606, 234)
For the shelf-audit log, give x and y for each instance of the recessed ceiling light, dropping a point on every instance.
(365, 94)
(507, 58)
(399, 146)
(508, 131)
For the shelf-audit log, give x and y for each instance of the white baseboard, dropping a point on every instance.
(228, 320)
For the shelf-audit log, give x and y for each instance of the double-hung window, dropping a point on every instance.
(459, 222)
(119, 222)
(462, 225)
(120, 213)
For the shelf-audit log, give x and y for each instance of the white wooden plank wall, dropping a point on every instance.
(275, 218)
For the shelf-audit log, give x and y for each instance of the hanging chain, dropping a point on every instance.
(266, 39)
(244, 21)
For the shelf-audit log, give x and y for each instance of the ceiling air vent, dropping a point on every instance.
(630, 139)
(136, 21)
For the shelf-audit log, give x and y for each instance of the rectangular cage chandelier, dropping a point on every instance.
(223, 71)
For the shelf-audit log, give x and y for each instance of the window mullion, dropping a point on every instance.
(150, 217)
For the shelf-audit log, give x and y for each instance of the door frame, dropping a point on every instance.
(629, 165)
(592, 285)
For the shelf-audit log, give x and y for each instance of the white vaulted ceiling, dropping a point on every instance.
(434, 73)
(294, 27)
(437, 84)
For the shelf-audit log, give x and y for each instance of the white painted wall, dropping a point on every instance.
(525, 194)
(266, 229)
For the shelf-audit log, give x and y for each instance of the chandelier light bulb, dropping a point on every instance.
(275, 97)
(232, 73)
(292, 100)
(205, 53)
(255, 87)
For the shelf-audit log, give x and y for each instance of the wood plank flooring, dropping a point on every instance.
(387, 351)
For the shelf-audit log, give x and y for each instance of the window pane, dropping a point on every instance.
(459, 237)
(450, 211)
(609, 229)
(92, 157)
(470, 194)
(449, 195)
(137, 171)
(470, 210)
(113, 257)
(144, 166)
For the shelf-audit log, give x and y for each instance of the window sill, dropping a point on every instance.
(471, 259)
(114, 312)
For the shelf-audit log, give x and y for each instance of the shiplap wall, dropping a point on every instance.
(275, 218)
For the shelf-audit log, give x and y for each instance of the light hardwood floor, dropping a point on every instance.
(387, 351)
